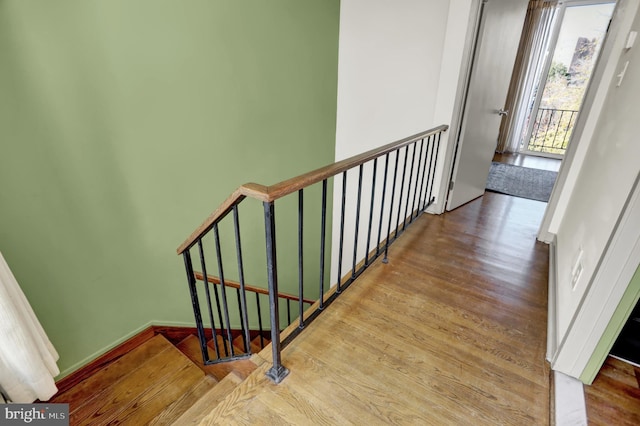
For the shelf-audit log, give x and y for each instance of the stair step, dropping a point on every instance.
(170, 414)
(208, 401)
(256, 344)
(140, 395)
(103, 378)
(190, 346)
(237, 350)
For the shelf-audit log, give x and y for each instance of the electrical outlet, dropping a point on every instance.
(576, 271)
(575, 276)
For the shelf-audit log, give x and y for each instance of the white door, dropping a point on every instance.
(495, 53)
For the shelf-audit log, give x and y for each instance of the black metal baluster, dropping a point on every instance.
(566, 132)
(323, 231)
(424, 175)
(242, 294)
(288, 311)
(536, 124)
(557, 128)
(427, 195)
(415, 192)
(544, 140)
(277, 372)
(300, 257)
(260, 320)
(435, 163)
(406, 208)
(242, 328)
(223, 290)
(341, 246)
(404, 172)
(208, 294)
(191, 280)
(357, 228)
(384, 193)
(373, 194)
(393, 193)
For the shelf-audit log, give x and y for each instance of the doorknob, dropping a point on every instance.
(502, 112)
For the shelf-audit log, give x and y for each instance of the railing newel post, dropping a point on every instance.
(277, 372)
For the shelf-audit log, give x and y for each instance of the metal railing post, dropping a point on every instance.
(191, 280)
(277, 372)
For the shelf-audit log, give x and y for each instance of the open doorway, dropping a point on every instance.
(559, 48)
(575, 46)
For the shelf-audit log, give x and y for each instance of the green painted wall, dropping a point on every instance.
(618, 320)
(124, 123)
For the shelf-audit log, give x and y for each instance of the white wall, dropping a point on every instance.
(398, 71)
(589, 113)
(388, 70)
(602, 187)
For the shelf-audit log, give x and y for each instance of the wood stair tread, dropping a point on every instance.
(98, 381)
(209, 400)
(256, 344)
(222, 344)
(143, 392)
(171, 413)
(190, 346)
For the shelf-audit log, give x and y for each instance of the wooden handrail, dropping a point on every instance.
(215, 280)
(289, 186)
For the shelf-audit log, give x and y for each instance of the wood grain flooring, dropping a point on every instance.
(614, 396)
(451, 331)
(531, 161)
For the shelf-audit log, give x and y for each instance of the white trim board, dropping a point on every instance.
(552, 307)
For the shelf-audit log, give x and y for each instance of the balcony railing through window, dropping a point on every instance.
(552, 131)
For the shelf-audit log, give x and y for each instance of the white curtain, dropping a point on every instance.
(27, 357)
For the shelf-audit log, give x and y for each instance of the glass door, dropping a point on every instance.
(582, 28)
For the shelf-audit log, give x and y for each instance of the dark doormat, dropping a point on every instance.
(522, 182)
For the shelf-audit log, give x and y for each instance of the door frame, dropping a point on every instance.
(455, 128)
(471, 49)
(586, 121)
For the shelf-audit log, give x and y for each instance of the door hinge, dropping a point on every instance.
(451, 186)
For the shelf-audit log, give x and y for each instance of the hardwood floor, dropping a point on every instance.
(154, 383)
(451, 331)
(614, 396)
(531, 161)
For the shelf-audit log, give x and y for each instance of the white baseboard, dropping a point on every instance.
(552, 307)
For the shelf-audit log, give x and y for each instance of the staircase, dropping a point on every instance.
(156, 383)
